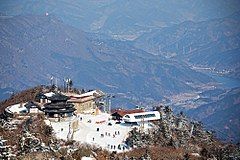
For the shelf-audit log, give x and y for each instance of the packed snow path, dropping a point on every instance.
(96, 130)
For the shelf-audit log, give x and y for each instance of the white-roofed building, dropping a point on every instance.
(49, 94)
(44, 97)
(142, 117)
(85, 102)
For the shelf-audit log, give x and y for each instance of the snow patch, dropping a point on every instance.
(97, 130)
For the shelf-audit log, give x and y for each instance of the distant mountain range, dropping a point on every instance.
(123, 19)
(36, 47)
(221, 115)
(144, 52)
(213, 44)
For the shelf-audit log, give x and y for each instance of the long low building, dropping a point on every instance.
(140, 117)
(118, 114)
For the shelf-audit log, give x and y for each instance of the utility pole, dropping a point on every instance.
(56, 81)
(109, 102)
(67, 82)
(51, 80)
(104, 108)
(142, 125)
(64, 85)
(109, 105)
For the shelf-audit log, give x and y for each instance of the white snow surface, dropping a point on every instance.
(49, 94)
(87, 131)
(87, 94)
(16, 108)
(87, 158)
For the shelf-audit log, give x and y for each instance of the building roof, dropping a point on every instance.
(81, 100)
(122, 112)
(58, 105)
(31, 104)
(85, 97)
(95, 93)
(40, 96)
(49, 94)
(69, 110)
(45, 95)
(58, 97)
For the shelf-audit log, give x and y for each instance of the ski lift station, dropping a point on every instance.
(141, 117)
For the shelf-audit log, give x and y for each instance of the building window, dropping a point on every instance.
(145, 116)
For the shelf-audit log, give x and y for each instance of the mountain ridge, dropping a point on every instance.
(212, 44)
(49, 47)
(101, 16)
(221, 115)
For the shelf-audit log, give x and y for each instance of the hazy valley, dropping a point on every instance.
(180, 53)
